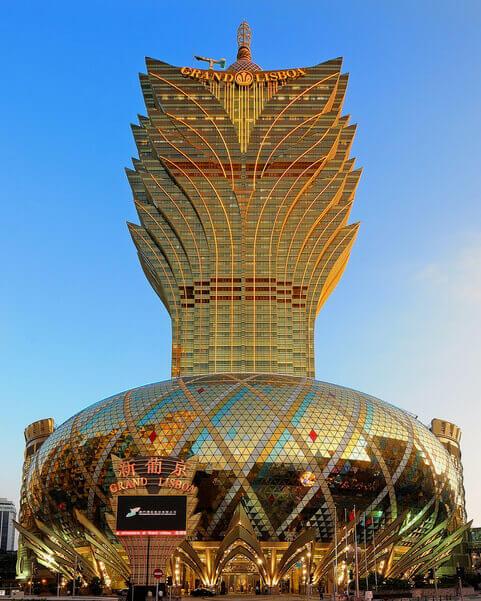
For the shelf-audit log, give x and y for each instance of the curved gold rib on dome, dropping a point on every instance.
(360, 440)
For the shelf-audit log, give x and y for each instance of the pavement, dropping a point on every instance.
(476, 596)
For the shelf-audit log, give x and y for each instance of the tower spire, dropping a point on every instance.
(244, 58)
(244, 35)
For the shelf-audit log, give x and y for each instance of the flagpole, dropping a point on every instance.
(375, 560)
(365, 555)
(347, 564)
(310, 557)
(335, 555)
(356, 564)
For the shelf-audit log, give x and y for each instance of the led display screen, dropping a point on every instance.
(151, 515)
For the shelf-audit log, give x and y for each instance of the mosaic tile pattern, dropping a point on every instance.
(254, 436)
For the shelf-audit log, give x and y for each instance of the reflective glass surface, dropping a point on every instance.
(255, 436)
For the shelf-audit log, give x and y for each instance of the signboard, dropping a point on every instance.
(151, 515)
(158, 573)
(243, 78)
(154, 472)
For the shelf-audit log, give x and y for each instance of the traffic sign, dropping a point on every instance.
(158, 573)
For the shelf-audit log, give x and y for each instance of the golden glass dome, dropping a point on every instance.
(254, 435)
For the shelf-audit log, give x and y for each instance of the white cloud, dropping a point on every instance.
(448, 382)
(457, 277)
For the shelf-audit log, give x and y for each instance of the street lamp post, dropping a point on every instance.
(356, 560)
(334, 567)
(309, 564)
(74, 577)
(346, 555)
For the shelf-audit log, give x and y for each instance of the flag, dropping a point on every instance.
(351, 515)
(369, 520)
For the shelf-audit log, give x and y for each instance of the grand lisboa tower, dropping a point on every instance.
(243, 187)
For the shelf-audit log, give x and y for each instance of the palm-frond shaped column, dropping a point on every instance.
(243, 196)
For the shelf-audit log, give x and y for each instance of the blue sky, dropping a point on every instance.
(79, 321)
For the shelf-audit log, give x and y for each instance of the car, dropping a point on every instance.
(202, 592)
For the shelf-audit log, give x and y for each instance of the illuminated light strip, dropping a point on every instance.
(255, 242)
(293, 237)
(325, 245)
(331, 282)
(412, 440)
(254, 263)
(221, 444)
(350, 431)
(243, 115)
(131, 426)
(293, 101)
(193, 430)
(323, 161)
(150, 533)
(312, 178)
(314, 289)
(74, 435)
(179, 262)
(241, 547)
(100, 464)
(155, 253)
(44, 485)
(201, 137)
(362, 432)
(215, 243)
(239, 126)
(290, 132)
(191, 559)
(303, 446)
(194, 240)
(318, 219)
(278, 424)
(215, 236)
(205, 113)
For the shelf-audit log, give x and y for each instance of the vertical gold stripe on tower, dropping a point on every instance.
(243, 104)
